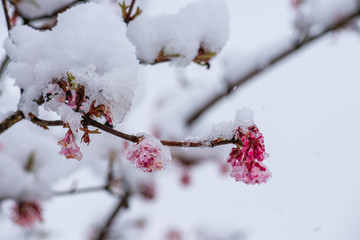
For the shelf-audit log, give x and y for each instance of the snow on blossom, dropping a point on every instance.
(246, 158)
(68, 146)
(148, 154)
(198, 25)
(102, 60)
(26, 213)
(244, 117)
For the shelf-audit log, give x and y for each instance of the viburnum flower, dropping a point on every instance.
(26, 214)
(72, 99)
(148, 154)
(246, 159)
(69, 148)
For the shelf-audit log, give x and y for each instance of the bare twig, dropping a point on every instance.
(11, 120)
(112, 131)
(133, 138)
(80, 190)
(6, 13)
(128, 15)
(123, 203)
(44, 123)
(3, 65)
(281, 56)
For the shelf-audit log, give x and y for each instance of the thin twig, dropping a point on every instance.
(3, 66)
(123, 203)
(281, 56)
(11, 120)
(6, 12)
(133, 138)
(44, 123)
(128, 15)
(80, 190)
(112, 131)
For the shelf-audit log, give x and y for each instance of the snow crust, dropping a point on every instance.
(244, 118)
(201, 24)
(36, 8)
(103, 60)
(315, 14)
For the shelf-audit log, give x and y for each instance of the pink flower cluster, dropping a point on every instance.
(26, 214)
(148, 154)
(246, 159)
(69, 148)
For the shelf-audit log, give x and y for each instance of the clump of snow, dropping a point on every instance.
(17, 183)
(244, 118)
(102, 60)
(315, 14)
(202, 24)
(36, 8)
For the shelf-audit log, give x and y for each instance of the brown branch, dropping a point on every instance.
(6, 13)
(123, 203)
(128, 15)
(133, 138)
(112, 131)
(11, 120)
(281, 56)
(44, 123)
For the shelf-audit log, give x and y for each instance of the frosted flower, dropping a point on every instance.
(258, 173)
(246, 159)
(69, 148)
(26, 214)
(148, 154)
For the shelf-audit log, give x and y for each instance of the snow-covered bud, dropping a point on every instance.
(246, 159)
(148, 154)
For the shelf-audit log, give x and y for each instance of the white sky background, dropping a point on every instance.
(307, 107)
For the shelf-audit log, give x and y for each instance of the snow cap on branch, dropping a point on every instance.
(201, 25)
(90, 42)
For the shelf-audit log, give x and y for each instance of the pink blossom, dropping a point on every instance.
(246, 159)
(295, 4)
(148, 154)
(72, 100)
(26, 214)
(69, 148)
(147, 190)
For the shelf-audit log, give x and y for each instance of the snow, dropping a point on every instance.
(180, 35)
(315, 14)
(102, 60)
(36, 8)
(244, 118)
